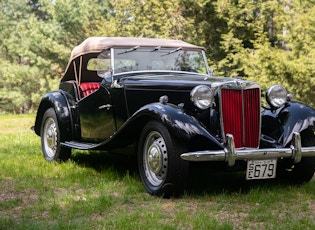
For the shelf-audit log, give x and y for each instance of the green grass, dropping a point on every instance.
(101, 191)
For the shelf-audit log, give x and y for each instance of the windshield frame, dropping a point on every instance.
(116, 51)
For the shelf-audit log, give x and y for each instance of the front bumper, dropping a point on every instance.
(229, 154)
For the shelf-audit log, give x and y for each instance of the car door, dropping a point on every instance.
(96, 116)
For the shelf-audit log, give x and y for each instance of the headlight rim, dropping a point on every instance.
(199, 102)
(274, 99)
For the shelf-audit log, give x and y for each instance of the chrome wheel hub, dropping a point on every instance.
(50, 137)
(155, 158)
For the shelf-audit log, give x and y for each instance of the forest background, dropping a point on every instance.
(267, 41)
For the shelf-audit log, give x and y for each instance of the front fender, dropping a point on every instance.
(61, 103)
(179, 124)
(282, 123)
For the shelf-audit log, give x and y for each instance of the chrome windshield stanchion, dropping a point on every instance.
(230, 150)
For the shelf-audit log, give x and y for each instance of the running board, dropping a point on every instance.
(79, 145)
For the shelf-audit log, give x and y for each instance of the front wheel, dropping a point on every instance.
(50, 138)
(162, 170)
(303, 171)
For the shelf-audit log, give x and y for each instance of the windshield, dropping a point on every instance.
(158, 59)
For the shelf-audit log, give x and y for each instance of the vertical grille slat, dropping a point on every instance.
(241, 116)
(252, 117)
(232, 114)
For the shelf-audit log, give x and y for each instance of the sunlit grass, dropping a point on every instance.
(95, 190)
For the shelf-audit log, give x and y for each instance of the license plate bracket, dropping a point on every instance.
(261, 169)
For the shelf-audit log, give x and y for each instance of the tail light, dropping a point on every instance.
(240, 116)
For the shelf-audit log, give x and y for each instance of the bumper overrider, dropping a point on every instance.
(229, 154)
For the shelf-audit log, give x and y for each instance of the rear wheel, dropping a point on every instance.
(162, 170)
(300, 172)
(50, 138)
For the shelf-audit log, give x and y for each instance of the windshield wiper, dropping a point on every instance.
(156, 48)
(173, 51)
(129, 50)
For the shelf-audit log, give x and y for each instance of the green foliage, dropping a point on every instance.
(264, 41)
(30, 55)
(271, 42)
(154, 18)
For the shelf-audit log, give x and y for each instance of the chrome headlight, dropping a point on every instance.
(276, 96)
(202, 96)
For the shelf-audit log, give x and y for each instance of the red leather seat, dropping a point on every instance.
(88, 88)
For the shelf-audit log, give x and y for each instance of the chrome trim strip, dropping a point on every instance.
(229, 154)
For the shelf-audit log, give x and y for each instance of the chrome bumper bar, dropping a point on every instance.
(229, 154)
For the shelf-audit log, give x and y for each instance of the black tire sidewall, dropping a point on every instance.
(298, 173)
(177, 169)
(50, 113)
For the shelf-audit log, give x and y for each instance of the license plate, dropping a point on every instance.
(261, 169)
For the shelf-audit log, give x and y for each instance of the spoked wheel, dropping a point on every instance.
(162, 170)
(300, 172)
(50, 138)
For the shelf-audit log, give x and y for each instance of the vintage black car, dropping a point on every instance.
(159, 96)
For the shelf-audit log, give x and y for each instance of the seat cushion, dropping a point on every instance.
(88, 88)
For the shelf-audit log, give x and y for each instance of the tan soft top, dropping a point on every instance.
(98, 44)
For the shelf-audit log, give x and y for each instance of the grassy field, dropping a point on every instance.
(101, 191)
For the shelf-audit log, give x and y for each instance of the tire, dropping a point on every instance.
(50, 138)
(298, 173)
(162, 171)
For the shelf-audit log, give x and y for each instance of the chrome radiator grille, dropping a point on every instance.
(240, 116)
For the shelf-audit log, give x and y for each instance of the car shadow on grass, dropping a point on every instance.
(200, 181)
(102, 160)
(209, 182)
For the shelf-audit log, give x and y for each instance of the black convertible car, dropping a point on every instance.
(159, 95)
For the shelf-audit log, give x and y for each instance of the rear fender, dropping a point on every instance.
(282, 123)
(62, 103)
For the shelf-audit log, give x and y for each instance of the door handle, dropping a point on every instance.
(108, 106)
